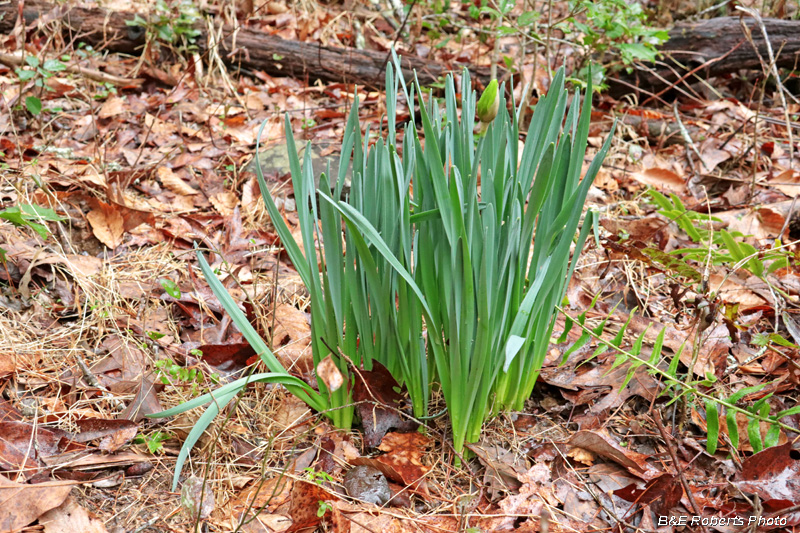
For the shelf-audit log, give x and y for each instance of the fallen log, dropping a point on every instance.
(713, 47)
(239, 48)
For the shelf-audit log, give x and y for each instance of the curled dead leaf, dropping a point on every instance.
(24, 503)
(112, 107)
(107, 225)
(602, 444)
(330, 375)
(173, 182)
(661, 178)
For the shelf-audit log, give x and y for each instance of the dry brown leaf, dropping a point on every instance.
(107, 225)
(714, 348)
(291, 416)
(661, 178)
(250, 195)
(276, 8)
(351, 453)
(640, 229)
(158, 126)
(24, 447)
(79, 460)
(404, 452)
(8, 363)
(224, 202)
(380, 404)
(503, 467)
(113, 432)
(306, 498)
(273, 494)
(145, 400)
(173, 182)
(582, 456)
(772, 474)
(602, 444)
(244, 134)
(731, 291)
(711, 156)
(329, 373)
(112, 107)
(764, 223)
(603, 180)
(110, 221)
(70, 517)
(359, 522)
(254, 101)
(783, 180)
(402, 463)
(292, 339)
(79, 265)
(90, 175)
(23, 503)
(536, 490)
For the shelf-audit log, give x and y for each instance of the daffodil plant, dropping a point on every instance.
(448, 257)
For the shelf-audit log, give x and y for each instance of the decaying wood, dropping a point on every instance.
(242, 48)
(663, 131)
(720, 46)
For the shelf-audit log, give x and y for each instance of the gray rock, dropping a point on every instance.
(367, 484)
(275, 163)
(197, 498)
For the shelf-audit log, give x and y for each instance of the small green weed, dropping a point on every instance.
(324, 507)
(171, 288)
(613, 33)
(171, 373)
(38, 72)
(685, 387)
(318, 476)
(720, 247)
(154, 441)
(172, 23)
(31, 216)
(616, 28)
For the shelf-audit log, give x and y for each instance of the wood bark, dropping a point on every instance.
(240, 48)
(719, 46)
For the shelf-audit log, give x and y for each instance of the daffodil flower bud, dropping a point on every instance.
(489, 103)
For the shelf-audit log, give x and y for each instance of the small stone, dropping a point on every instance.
(368, 484)
(274, 162)
(197, 498)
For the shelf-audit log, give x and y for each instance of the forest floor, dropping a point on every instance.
(104, 313)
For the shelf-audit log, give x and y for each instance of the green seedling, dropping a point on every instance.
(31, 216)
(38, 72)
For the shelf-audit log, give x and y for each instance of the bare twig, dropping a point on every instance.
(773, 69)
(687, 139)
(15, 60)
(690, 73)
(678, 469)
(92, 380)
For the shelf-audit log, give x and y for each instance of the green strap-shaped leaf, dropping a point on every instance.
(712, 422)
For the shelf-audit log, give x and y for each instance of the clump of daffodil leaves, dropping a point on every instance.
(446, 259)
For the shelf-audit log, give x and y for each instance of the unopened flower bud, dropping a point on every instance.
(489, 103)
